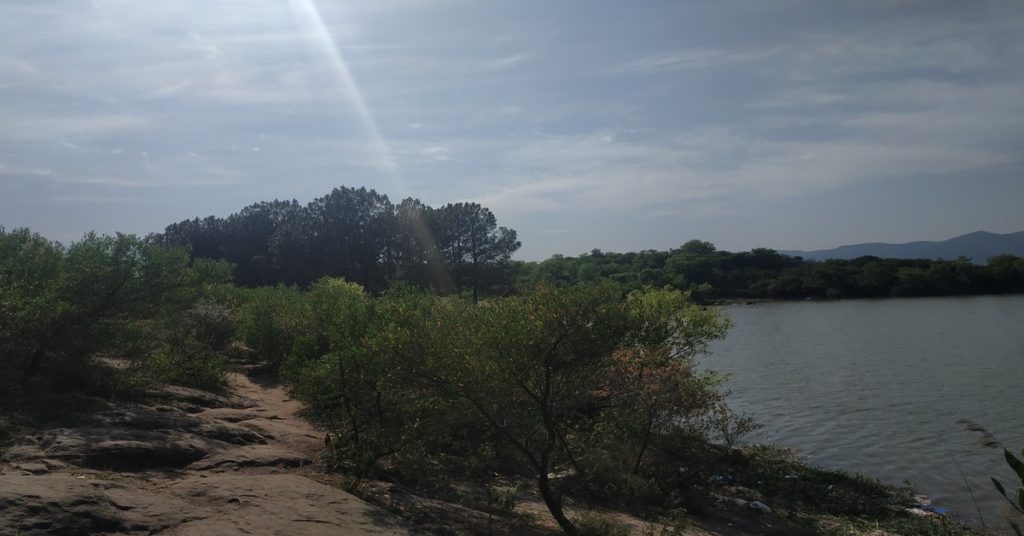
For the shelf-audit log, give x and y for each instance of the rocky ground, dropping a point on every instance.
(190, 463)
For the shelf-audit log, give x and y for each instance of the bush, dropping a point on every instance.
(272, 320)
(210, 324)
(61, 307)
(199, 369)
(418, 386)
(590, 524)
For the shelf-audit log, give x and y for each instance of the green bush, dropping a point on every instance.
(101, 296)
(590, 524)
(272, 320)
(200, 369)
(210, 324)
(419, 387)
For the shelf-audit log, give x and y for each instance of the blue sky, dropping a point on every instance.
(582, 124)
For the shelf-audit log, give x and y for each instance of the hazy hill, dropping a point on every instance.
(978, 246)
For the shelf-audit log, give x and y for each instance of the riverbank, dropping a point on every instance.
(184, 461)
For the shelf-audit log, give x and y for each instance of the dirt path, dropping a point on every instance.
(194, 463)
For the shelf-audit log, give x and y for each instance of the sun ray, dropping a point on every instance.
(308, 15)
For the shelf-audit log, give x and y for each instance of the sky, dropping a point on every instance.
(582, 124)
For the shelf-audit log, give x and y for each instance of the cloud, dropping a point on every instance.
(691, 58)
(697, 169)
(91, 198)
(507, 62)
(436, 153)
(664, 116)
(19, 171)
(26, 125)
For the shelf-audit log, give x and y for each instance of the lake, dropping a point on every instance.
(877, 387)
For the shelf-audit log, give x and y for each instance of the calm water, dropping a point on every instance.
(876, 386)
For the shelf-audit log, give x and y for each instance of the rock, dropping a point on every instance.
(39, 467)
(164, 418)
(61, 503)
(299, 437)
(139, 455)
(229, 433)
(281, 504)
(134, 438)
(234, 415)
(196, 397)
(41, 492)
(115, 448)
(760, 507)
(252, 456)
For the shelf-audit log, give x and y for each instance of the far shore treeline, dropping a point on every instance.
(360, 235)
(712, 275)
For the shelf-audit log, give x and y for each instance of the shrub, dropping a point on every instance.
(418, 386)
(200, 369)
(60, 307)
(272, 320)
(590, 524)
(210, 324)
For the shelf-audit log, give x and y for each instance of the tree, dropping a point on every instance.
(540, 369)
(475, 249)
(416, 256)
(352, 235)
(357, 234)
(252, 239)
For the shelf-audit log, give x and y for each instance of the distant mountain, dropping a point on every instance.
(977, 246)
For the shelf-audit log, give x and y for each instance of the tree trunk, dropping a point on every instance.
(476, 281)
(643, 446)
(554, 504)
(33, 364)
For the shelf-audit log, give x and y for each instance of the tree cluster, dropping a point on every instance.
(582, 381)
(711, 274)
(360, 235)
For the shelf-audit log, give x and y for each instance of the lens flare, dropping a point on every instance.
(309, 18)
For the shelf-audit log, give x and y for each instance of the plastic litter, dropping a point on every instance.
(760, 507)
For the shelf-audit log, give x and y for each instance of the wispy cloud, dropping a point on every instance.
(691, 58)
(20, 171)
(90, 198)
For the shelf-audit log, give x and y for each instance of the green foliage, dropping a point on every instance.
(1013, 495)
(196, 368)
(590, 524)
(210, 324)
(794, 485)
(103, 295)
(193, 346)
(273, 320)
(502, 500)
(419, 386)
(359, 235)
(729, 426)
(710, 274)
